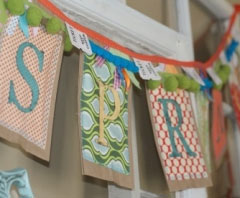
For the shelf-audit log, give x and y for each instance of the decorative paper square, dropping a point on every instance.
(235, 95)
(177, 140)
(104, 122)
(234, 84)
(28, 85)
(203, 126)
(219, 135)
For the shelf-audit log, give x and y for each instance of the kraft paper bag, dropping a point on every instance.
(177, 140)
(104, 123)
(28, 85)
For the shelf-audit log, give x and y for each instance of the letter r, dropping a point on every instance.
(172, 129)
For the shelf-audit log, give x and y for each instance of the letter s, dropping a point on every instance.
(28, 77)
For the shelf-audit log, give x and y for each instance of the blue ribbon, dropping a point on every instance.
(231, 49)
(208, 84)
(118, 61)
(23, 24)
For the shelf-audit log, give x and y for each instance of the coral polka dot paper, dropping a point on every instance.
(28, 86)
(184, 166)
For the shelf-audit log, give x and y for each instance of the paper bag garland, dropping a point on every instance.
(177, 140)
(104, 123)
(28, 85)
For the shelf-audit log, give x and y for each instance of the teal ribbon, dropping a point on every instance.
(23, 24)
(118, 61)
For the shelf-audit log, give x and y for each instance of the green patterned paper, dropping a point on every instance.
(203, 126)
(115, 155)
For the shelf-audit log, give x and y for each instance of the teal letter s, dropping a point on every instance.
(28, 77)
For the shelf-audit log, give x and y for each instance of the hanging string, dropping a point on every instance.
(153, 58)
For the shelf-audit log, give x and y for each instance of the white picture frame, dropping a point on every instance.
(130, 28)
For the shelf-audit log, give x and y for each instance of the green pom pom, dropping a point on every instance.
(223, 76)
(16, 7)
(53, 25)
(170, 83)
(217, 66)
(194, 86)
(153, 84)
(223, 73)
(183, 81)
(226, 69)
(218, 87)
(67, 44)
(34, 16)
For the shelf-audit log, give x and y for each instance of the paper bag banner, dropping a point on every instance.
(28, 84)
(219, 135)
(177, 140)
(104, 123)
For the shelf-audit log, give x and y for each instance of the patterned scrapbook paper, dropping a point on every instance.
(234, 85)
(235, 94)
(219, 133)
(105, 141)
(28, 82)
(177, 140)
(203, 126)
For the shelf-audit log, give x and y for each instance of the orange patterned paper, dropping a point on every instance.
(32, 130)
(219, 136)
(176, 138)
